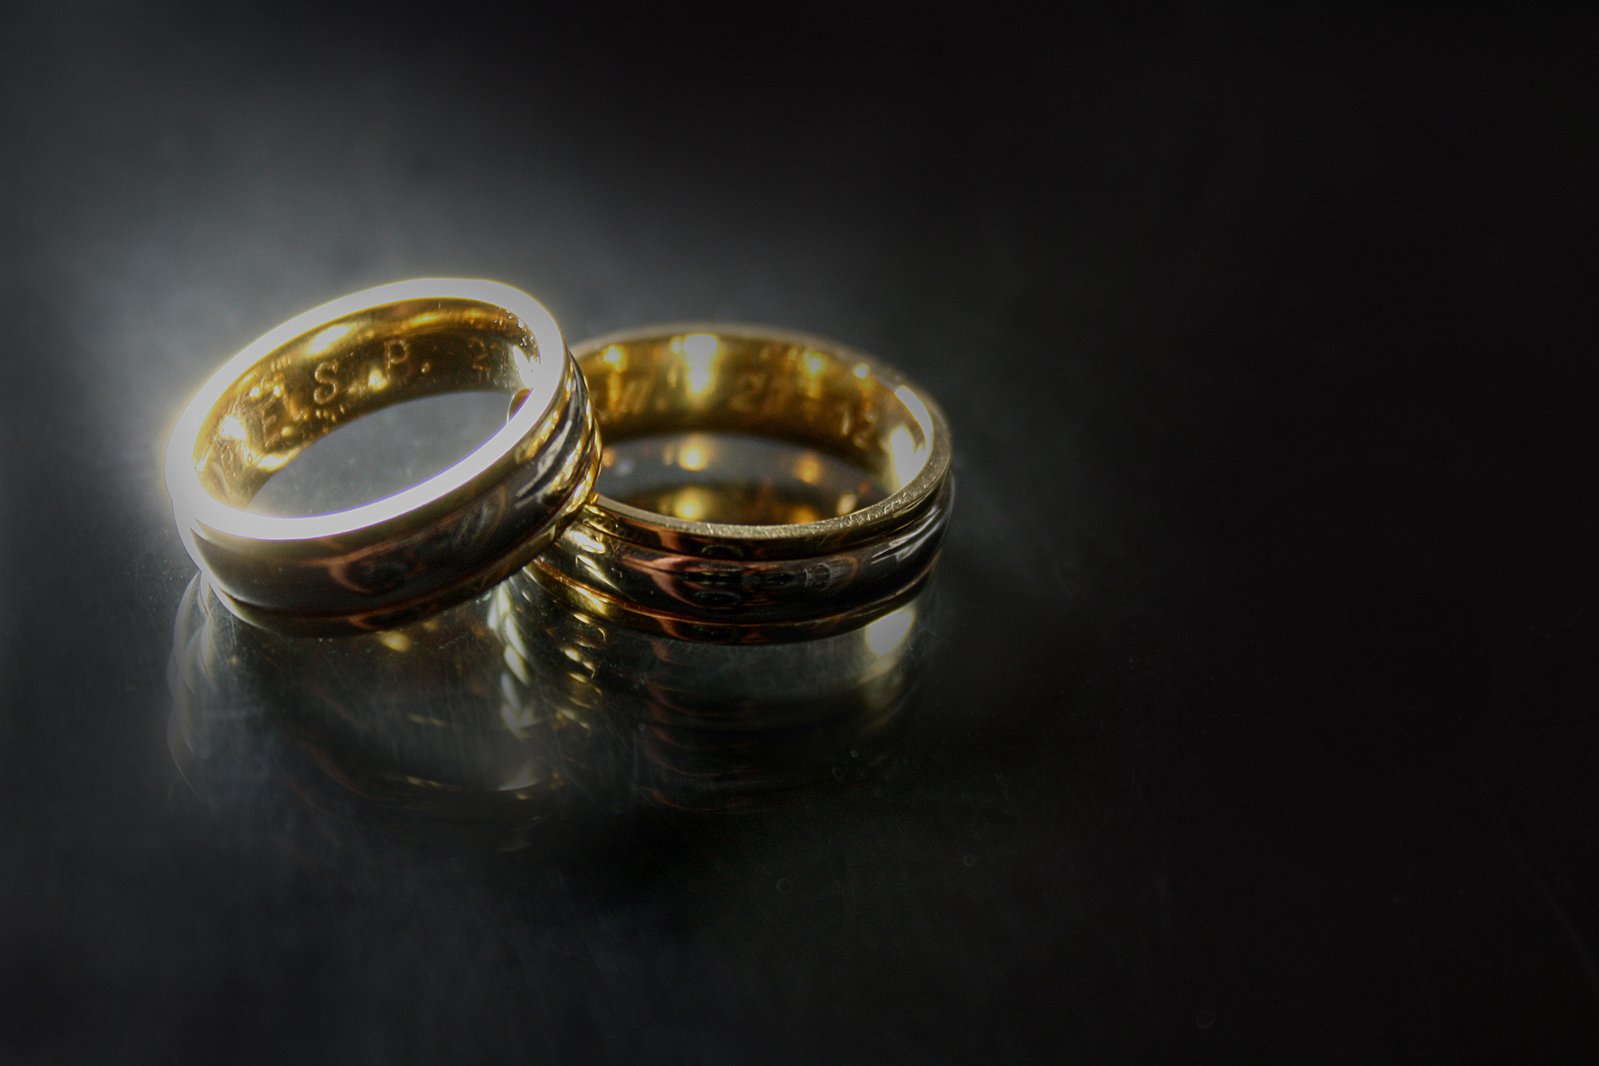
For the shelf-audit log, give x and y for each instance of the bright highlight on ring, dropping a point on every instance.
(434, 544)
(683, 568)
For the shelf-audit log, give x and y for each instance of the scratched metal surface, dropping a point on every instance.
(1254, 721)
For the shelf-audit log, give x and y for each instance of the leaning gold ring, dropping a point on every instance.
(729, 582)
(410, 554)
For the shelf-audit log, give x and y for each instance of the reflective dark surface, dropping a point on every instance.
(1254, 719)
(488, 721)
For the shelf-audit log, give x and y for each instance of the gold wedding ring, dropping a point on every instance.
(691, 574)
(405, 556)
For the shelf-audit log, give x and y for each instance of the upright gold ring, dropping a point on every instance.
(405, 556)
(733, 582)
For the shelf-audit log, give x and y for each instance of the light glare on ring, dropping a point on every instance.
(692, 454)
(541, 374)
(699, 352)
(324, 341)
(887, 634)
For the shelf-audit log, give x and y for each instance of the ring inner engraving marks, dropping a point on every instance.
(292, 401)
(841, 406)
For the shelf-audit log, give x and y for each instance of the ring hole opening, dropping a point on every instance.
(381, 454)
(716, 427)
(735, 478)
(402, 356)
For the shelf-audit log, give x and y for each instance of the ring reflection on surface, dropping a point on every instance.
(723, 727)
(509, 715)
(439, 719)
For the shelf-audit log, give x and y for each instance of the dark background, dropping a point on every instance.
(1261, 723)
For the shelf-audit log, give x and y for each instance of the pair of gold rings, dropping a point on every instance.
(698, 568)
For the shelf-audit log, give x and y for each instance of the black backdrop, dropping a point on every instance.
(1260, 725)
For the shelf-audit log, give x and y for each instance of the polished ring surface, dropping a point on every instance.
(732, 582)
(434, 544)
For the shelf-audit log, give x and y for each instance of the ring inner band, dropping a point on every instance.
(839, 404)
(349, 367)
(735, 478)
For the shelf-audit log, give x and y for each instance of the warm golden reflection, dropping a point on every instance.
(732, 478)
(839, 522)
(763, 382)
(326, 340)
(511, 715)
(409, 553)
(724, 727)
(692, 453)
(699, 353)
